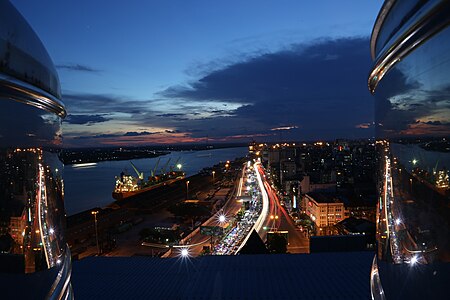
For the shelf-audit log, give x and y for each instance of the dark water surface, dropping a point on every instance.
(89, 187)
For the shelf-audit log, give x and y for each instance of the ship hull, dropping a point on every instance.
(123, 195)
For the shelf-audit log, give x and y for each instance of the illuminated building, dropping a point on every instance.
(252, 147)
(324, 210)
(442, 180)
(410, 79)
(344, 167)
(34, 257)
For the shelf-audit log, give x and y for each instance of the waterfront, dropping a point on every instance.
(91, 186)
(412, 155)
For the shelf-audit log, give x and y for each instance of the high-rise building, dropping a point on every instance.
(410, 45)
(34, 257)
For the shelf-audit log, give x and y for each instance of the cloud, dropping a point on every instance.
(364, 125)
(35, 127)
(169, 115)
(85, 119)
(321, 87)
(425, 129)
(406, 107)
(434, 123)
(134, 133)
(284, 128)
(114, 135)
(315, 86)
(96, 136)
(104, 104)
(77, 67)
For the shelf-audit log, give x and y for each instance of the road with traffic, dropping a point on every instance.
(278, 218)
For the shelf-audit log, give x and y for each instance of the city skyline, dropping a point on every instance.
(218, 145)
(149, 73)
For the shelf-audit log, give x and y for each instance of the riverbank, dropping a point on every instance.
(95, 155)
(91, 186)
(84, 156)
(120, 222)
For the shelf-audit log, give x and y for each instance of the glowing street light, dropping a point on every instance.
(184, 253)
(213, 173)
(413, 260)
(94, 213)
(187, 189)
(222, 219)
(274, 218)
(179, 166)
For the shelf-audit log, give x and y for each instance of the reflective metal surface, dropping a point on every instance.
(32, 218)
(22, 54)
(34, 258)
(413, 130)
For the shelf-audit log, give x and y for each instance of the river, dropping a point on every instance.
(91, 186)
(412, 155)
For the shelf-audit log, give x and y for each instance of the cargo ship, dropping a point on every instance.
(128, 185)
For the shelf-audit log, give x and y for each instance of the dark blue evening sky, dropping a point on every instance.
(142, 72)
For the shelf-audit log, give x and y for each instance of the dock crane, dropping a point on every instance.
(156, 166)
(435, 167)
(163, 170)
(175, 165)
(139, 174)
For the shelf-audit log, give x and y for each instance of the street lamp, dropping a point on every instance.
(213, 173)
(413, 260)
(274, 218)
(95, 212)
(184, 253)
(222, 219)
(187, 189)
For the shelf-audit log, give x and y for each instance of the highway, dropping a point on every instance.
(197, 241)
(268, 215)
(407, 220)
(278, 219)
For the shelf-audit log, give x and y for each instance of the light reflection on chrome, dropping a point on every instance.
(32, 200)
(411, 83)
(33, 253)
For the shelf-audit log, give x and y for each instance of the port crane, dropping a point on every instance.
(156, 166)
(163, 170)
(139, 174)
(435, 169)
(175, 164)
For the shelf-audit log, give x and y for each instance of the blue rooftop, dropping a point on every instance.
(290, 276)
